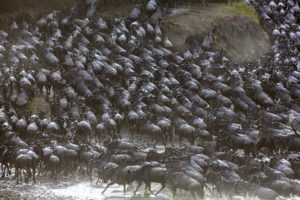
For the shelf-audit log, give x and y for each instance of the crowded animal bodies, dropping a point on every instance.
(226, 128)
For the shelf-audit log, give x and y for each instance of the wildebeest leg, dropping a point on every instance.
(247, 157)
(20, 174)
(192, 140)
(40, 89)
(48, 89)
(164, 139)
(216, 189)
(28, 172)
(115, 131)
(55, 172)
(17, 175)
(155, 141)
(91, 175)
(138, 187)
(104, 136)
(180, 138)
(194, 196)
(207, 187)
(3, 170)
(8, 167)
(253, 153)
(213, 190)
(40, 167)
(131, 129)
(99, 176)
(165, 136)
(163, 185)
(111, 183)
(52, 172)
(139, 135)
(172, 136)
(33, 175)
(148, 185)
(173, 191)
(124, 188)
(99, 138)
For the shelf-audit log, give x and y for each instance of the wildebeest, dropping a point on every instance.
(150, 173)
(182, 181)
(240, 141)
(120, 175)
(7, 156)
(28, 161)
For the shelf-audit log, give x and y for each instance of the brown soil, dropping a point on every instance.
(40, 103)
(240, 36)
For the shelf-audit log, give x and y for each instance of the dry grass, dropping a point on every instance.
(245, 10)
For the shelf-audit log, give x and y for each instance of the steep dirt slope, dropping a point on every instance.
(240, 36)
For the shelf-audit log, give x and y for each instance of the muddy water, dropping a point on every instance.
(72, 188)
(88, 191)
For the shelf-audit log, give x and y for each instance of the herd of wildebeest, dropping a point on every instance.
(227, 128)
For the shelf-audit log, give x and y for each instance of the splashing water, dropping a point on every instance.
(88, 191)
